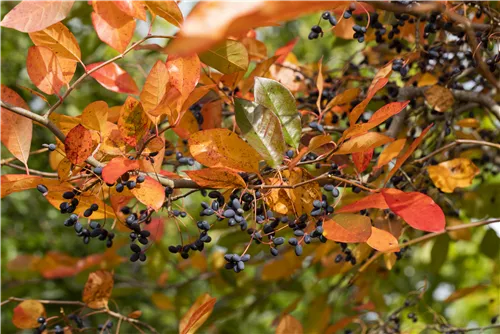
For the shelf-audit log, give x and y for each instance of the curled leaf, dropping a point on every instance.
(451, 174)
(197, 314)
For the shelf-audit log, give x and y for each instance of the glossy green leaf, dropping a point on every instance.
(227, 57)
(262, 129)
(273, 95)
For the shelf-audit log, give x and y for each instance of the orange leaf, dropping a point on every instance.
(223, 148)
(12, 183)
(98, 289)
(347, 227)
(376, 200)
(86, 200)
(113, 26)
(26, 314)
(132, 8)
(61, 41)
(31, 16)
(283, 51)
(363, 143)
(187, 126)
(289, 325)
(114, 78)
(44, 70)
(211, 22)
(345, 97)
(95, 116)
(360, 108)
(168, 10)
(344, 29)
(197, 314)
(212, 115)
(16, 130)
(390, 152)
(401, 160)
(216, 178)
(117, 167)
(133, 122)
(184, 75)
(382, 240)
(150, 193)
(362, 159)
(78, 144)
(417, 209)
(155, 86)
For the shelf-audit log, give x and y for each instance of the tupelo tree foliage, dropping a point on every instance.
(284, 165)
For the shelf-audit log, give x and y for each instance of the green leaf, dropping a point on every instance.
(262, 129)
(280, 100)
(490, 246)
(439, 252)
(227, 57)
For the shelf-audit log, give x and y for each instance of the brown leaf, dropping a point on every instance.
(135, 314)
(98, 289)
(16, 130)
(26, 314)
(289, 325)
(439, 98)
(31, 16)
(197, 314)
(216, 178)
(44, 69)
(78, 144)
(133, 122)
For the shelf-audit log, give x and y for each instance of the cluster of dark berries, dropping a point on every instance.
(359, 33)
(330, 18)
(316, 31)
(184, 160)
(236, 262)
(43, 325)
(78, 320)
(348, 12)
(398, 65)
(88, 212)
(316, 126)
(51, 147)
(334, 171)
(95, 231)
(150, 157)
(124, 181)
(198, 245)
(347, 257)
(65, 207)
(331, 188)
(196, 111)
(412, 316)
(106, 327)
(137, 253)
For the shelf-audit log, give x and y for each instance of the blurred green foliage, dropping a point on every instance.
(245, 303)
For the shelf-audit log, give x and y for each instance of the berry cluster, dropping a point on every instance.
(236, 262)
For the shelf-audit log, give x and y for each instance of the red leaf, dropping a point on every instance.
(31, 16)
(114, 78)
(16, 130)
(347, 227)
(78, 144)
(376, 200)
(285, 50)
(113, 26)
(117, 167)
(362, 159)
(417, 209)
(157, 229)
(150, 193)
(44, 69)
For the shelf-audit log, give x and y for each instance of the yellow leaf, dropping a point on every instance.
(95, 116)
(427, 79)
(26, 314)
(155, 86)
(468, 123)
(363, 143)
(168, 10)
(216, 178)
(223, 148)
(451, 174)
